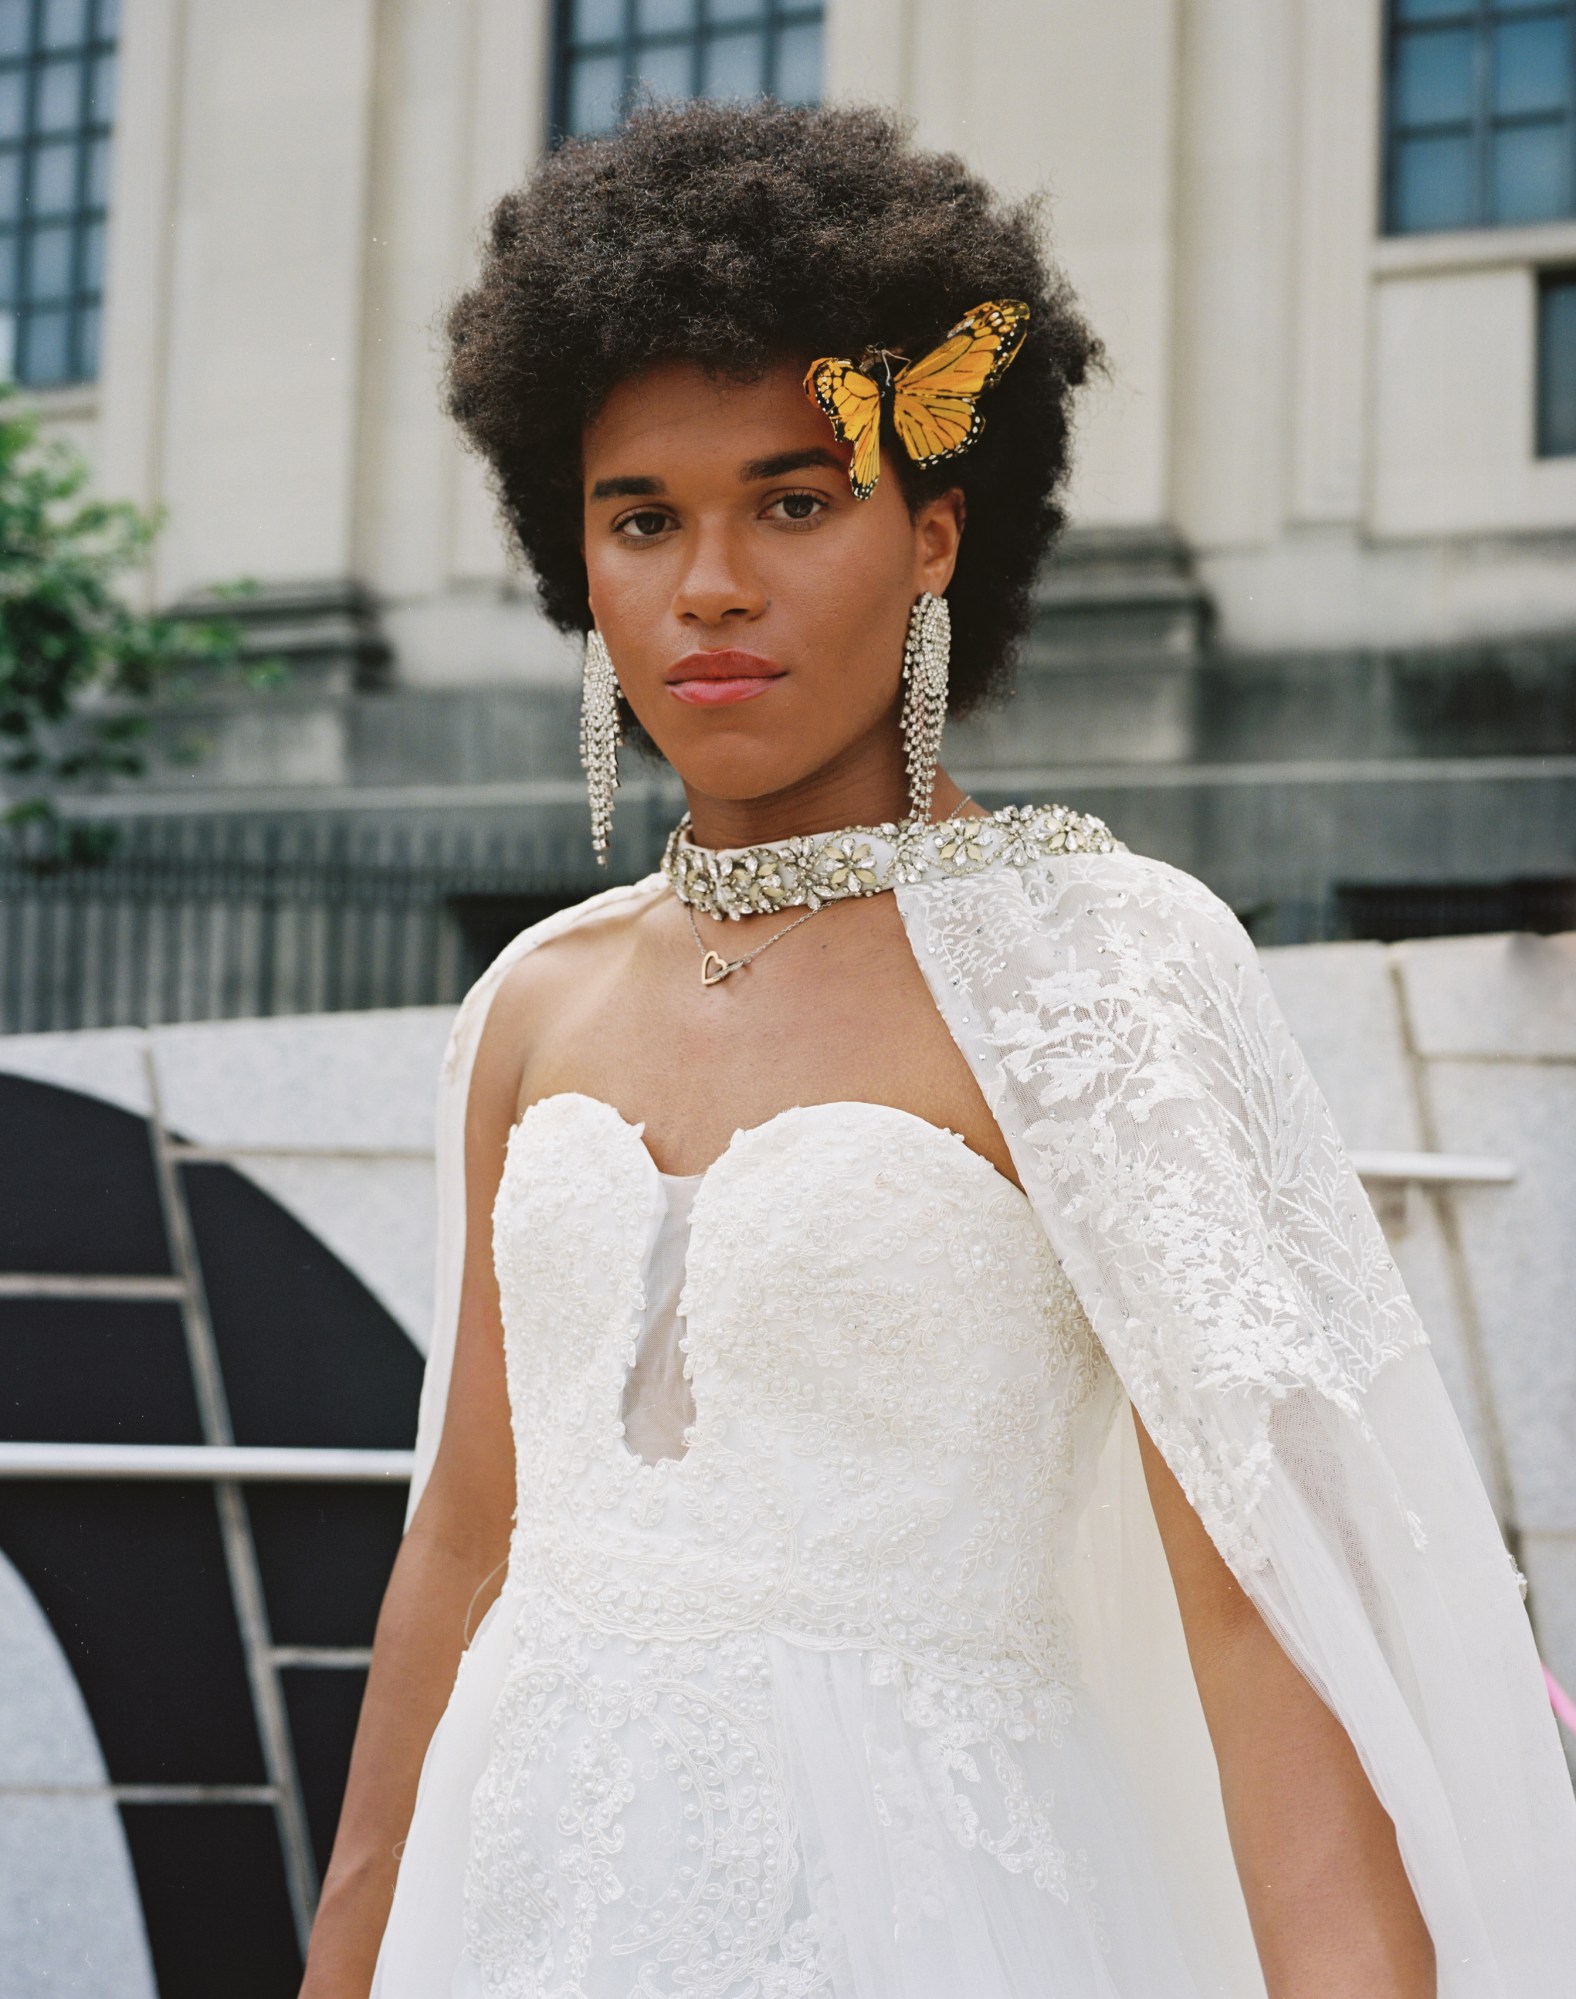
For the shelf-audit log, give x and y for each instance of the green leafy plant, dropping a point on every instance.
(80, 667)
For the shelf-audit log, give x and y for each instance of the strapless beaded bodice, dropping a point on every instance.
(848, 1575)
(894, 1388)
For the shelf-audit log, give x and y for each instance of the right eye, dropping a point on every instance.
(645, 524)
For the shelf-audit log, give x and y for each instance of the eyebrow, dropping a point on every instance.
(789, 461)
(776, 467)
(626, 489)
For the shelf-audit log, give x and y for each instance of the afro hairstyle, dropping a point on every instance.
(737, 235)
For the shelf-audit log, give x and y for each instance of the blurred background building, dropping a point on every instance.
(1312, 636)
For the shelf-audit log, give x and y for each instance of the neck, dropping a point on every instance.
(855, 792)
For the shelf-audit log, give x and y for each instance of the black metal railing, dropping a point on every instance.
(230, 916)
(212, 919)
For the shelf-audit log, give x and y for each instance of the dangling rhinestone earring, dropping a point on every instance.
(926, 653)
(599, 737)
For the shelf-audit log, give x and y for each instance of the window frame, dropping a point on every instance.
(630, 42)
(80, 298)
(1483, 123)
(1551, 279)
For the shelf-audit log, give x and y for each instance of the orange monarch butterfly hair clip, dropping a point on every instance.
(933, 399)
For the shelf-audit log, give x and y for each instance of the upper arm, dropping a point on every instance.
(1213, 1604)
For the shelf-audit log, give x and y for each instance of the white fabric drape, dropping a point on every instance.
(1186, 1170)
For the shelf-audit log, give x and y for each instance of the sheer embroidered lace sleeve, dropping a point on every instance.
(1189, 1175)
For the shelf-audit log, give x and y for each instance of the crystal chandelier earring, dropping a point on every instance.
(926, 653)
(599, 736)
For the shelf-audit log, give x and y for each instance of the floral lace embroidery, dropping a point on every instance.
(1171, 1135)
(898, 1406)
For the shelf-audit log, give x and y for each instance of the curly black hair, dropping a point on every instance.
(734, 235)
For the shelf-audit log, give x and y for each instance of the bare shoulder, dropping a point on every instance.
(560, 974)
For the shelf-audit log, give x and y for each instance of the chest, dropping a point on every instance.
(838, 1010)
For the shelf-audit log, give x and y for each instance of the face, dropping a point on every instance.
(754, 609)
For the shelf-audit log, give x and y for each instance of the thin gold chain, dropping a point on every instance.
(714, 968)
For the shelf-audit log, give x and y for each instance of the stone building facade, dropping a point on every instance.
(1314, 632)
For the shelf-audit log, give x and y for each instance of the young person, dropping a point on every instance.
(929, 1481)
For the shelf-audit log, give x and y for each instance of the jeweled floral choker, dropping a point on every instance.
(816, 868)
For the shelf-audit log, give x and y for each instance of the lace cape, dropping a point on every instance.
(1188, 1174)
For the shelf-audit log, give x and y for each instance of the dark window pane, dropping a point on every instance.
(597, 20)
(735, 66)
(1434, 184)
(214, 1899)
(49, 264)
(77, 1189)
(1434, 78)
(10, 186)
(133, 1582)
(88, 341)
(1532, 66)
(658, 17)
(1557, 368)
(59, 97)
(44, 349)
(12, 101)
(665, 72)
(13, 27)
(8, 260)
(309, 1355)
(667, 49)
(95, 1371)
(54, 189)
(596, 87)
(1531, 174)
(324, 1705)
(92, 273)
(798, 78)
(325, 1554)
(1388, 912)
(7, 344)
(102, 95)
(98, 173)
(1432, 10)
(65, 24)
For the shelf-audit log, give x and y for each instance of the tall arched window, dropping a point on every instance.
(57, 83)
(607, 52)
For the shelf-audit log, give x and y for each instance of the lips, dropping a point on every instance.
(714, 679)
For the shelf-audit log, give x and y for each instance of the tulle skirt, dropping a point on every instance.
(770, 1819)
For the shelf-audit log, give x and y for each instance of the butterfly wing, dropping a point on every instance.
(851, 403)
(934, 399)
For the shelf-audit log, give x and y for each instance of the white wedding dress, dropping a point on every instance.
(837, 1652)
(797, 1711)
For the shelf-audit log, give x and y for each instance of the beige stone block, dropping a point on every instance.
(107, 1062)
(1519, 1248)
(1453, 358)
(340, 1082)
(1513, 995)
(1339, 1001)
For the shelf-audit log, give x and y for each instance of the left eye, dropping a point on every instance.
(799, 506)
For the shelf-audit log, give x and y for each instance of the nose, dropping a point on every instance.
(718, 584)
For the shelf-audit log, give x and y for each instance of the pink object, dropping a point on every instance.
(1562, 1703)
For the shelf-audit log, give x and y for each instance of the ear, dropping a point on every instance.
(938, 530)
